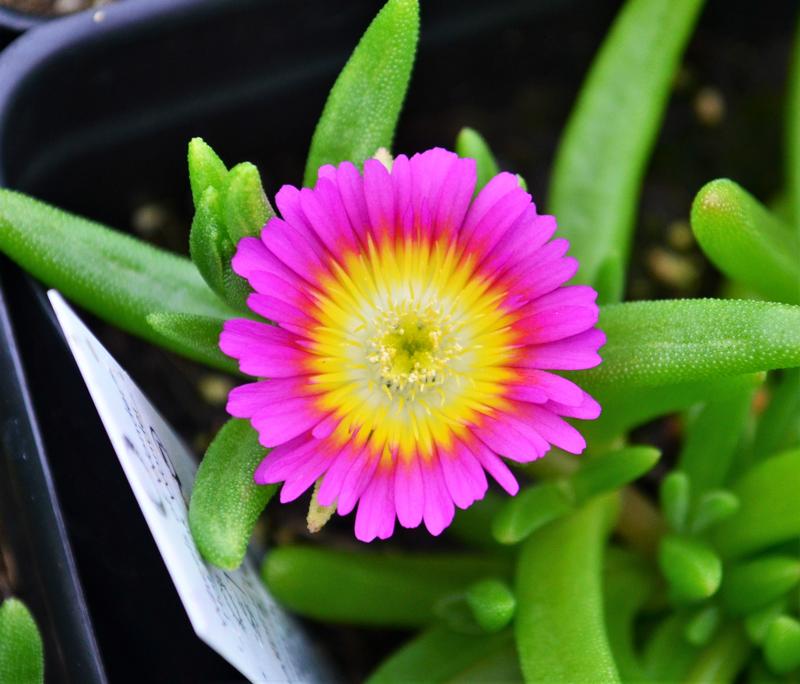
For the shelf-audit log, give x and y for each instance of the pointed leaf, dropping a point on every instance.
(115, 276)
(367, 588)
(782, 644)
(226, 502)
(673, 341)
(608, 471)
(245, 206)
(441, 655)
(675, 497)
(691, 568)
(757, 583)
(194, 336)
(712, 508)
(365, 102)
(604, 151)
(769, 493)
(206, 169)
(470, 144)
(531, 509)
(492, 603)
(560, 628)
(746, 242)
(712, 436)
(21, 652)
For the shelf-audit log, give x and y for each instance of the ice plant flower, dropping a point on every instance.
(414, 333)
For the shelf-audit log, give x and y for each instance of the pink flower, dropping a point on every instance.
(416, 333)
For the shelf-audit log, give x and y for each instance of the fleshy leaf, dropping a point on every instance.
(441, 655)
(196, 336)
(780, 422)
(21, 651)
(492, 603)
(364, 104)
(793, 134)
(605, 472)
(746, 242)
(206, 169)
(226, 502)
(672, 341)
(115, 276)
(245, 206)
(531, 509)
(560, 631)
(371, 588)
(471, 144)
(757, 583)
(675, 497)
(712, 508)
(782, 644)
(628, 583)
(712, 436)
(691, 568)
(769, 493)
(703, 625)
(603, 155)
(721, 660)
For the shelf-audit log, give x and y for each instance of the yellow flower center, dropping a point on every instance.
(412, 349)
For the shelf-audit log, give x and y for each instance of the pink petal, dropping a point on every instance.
(409, 494)
(495, 467)
(281, 312)
(306, 473)
(587, 409)
(244, 401)
(556, 323)
(281, 421)
(335, 476)
(555, 430)
(439, 508)
(358, 477)
(375, 515)
(262, 350)
(573, 353)
(379, 193)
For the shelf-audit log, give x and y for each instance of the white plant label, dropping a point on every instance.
(231, 611)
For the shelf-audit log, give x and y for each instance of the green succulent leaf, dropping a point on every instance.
(778, 427)
(245, 206)
(782, 644)
(768, 493)
(746, 242)
(603, 155)
(703, 625)
(209, 245)
(441, 655)
(712, 436)
(755, 584)
(627, 407)
(115, 276)
(673, 341)
(371, 588)
(722, 659)
(226, 503)
(712, 508)
(675, 497)
(667, 654)
(21, 650)
(365, 102)
(470, 144)
(628, 584)
(196, 336)
(492, 603)
(606, 472)
(793, 134)
(531, 509)
(206, 170)
(757, 623)
(560, 631)
(691, 568)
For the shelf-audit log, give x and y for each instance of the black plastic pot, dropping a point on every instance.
(95, 117)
